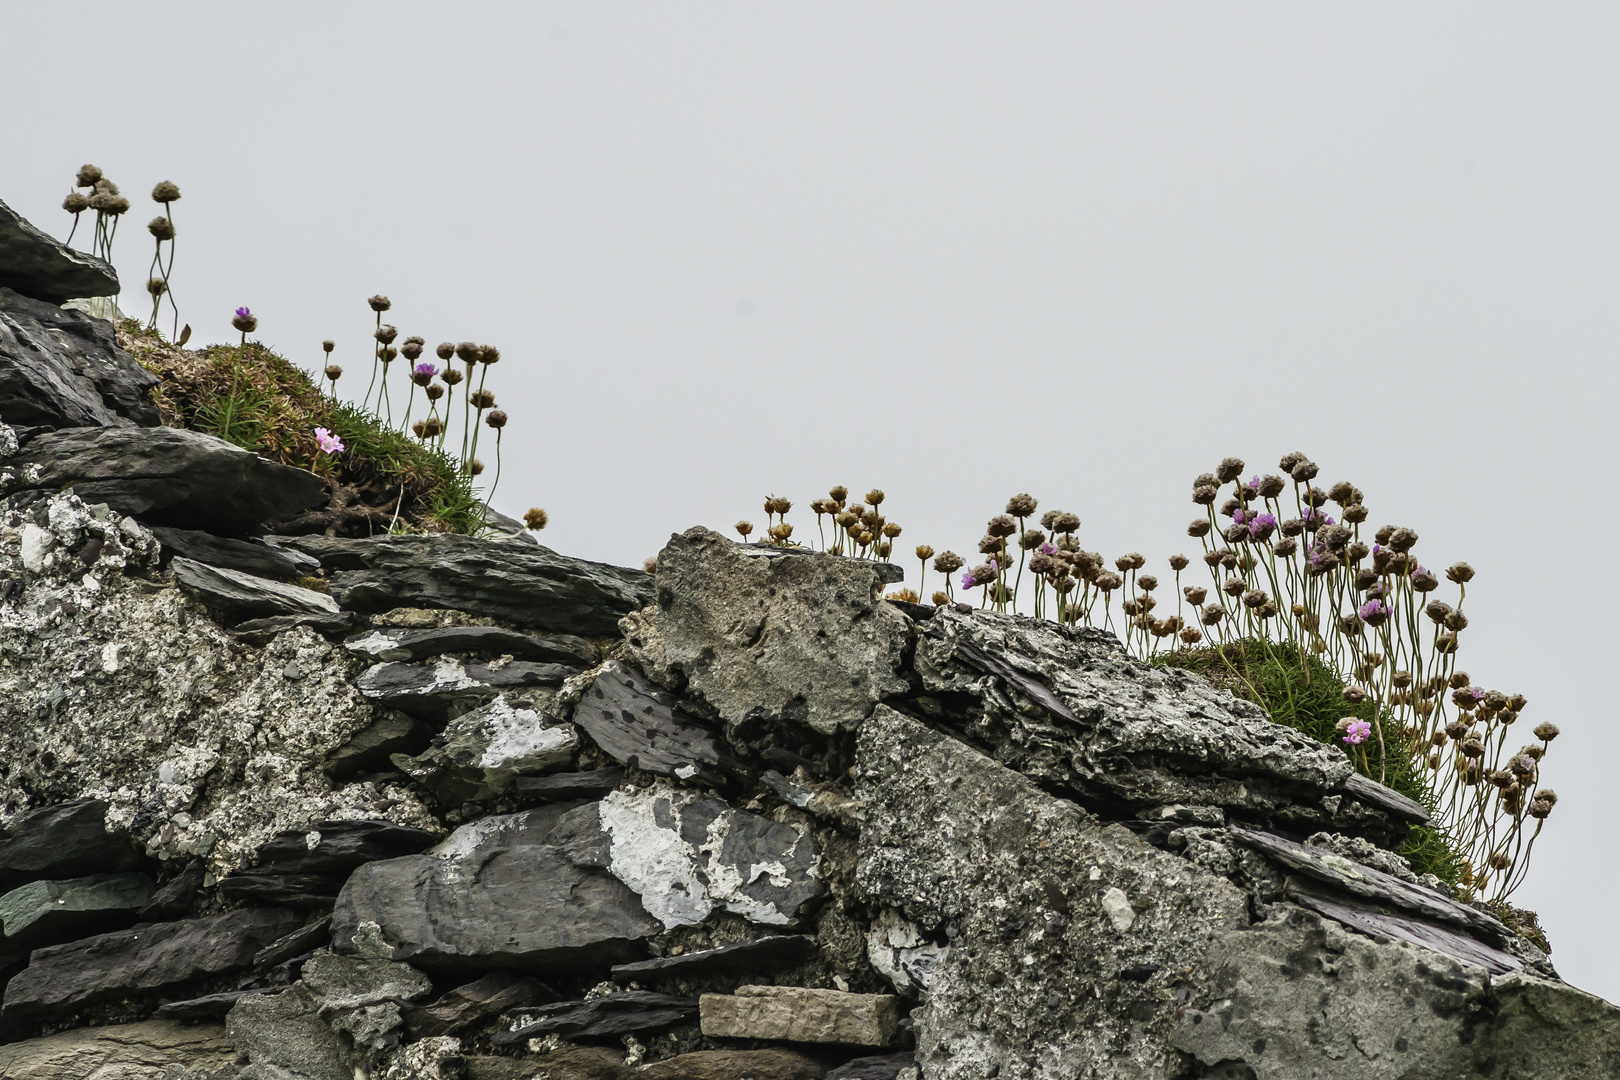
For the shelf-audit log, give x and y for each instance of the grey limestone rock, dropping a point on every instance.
(62, 368)
(480, 753)
(283, 1037)
(402, 644)
(883, 1067)
(526, 892)
(170, 476)
(64, 841)
(246, 556)
(512, 580)
(610, 1014)
(804, 639)
(44, 268)
(51, 912)
(147, 959)
(640, 725)
(150, 1050)
(340, 983)
(432, 691)
(235, 597)
(802, 1014)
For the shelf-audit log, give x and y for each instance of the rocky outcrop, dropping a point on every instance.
(62, 368)
(46, 269)
(169, 476)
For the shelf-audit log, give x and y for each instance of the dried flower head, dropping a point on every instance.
(839, 493)
(744, 528)
(1195, 594)
(1303, 471)
(940, 599)
(87, 176)
(166, 192)
(1199, 527)
(434, 392)
(1178, 563)
(328, 345)
(413, 349)
(1230, 469)
(474, 467)
(496, 419)
(244, 321)
(1460, 573)
(450, 376)
(380, 303)
(76, 203)
(468, 352)
(161, 227)
(1001, 525)
(388, 354)
(157, 286)
(1021, 506)
(482, 399)
(385, 334)
(924, 552)
(948, 562)
(334, 372)
(1546, 731)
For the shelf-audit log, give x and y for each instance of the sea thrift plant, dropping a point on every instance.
(1297, 583)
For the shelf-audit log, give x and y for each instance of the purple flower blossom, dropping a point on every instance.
(1049, 549)
(1357, 732)
(1315, 519)
(243, 313)
(1253, 486)
(1238, 517)
(1373, 609)
(328, 442)
(1261, 525)
(968, 581)
(425, 368)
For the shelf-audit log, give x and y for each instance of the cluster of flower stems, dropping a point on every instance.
(1282, 570)
(110, 205)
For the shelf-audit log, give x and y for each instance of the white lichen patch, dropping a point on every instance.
(519, 739)
(743, 863)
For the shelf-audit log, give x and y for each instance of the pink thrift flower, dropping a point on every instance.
(1358, 731)
(328, 442)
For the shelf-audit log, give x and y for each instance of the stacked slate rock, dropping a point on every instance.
(473, 809)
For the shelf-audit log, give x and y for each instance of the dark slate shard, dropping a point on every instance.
(1392, 802)
(429, 691)
(508, 579)
(62, 979)
(560, 787)
(393, 732)
(742, 958)
(290, 890)
(260, 560)
(297, 943)
(339, 847)
(473, 1004)
(50, 912)
(207, 1007)
(42, 267)
(1370, 884)
(401, 645)
(525, 892)
(62, 368)
(66, 841)
(233, 597)
(608, 1015)
(176, 896)
(263, 631)
(884, 1067)
(638, 724)
(1031, 686)
(170, 476)
(1392, 927)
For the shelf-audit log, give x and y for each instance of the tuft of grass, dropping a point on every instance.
(258, 400)
(1301, 692)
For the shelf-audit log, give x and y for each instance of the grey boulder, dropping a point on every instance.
(283, 1037)
(62, 979)
(42, 267)
(756, 636)
(170, 476)
(234, 597)
(61, 368)
(64, 841)
(512, 580)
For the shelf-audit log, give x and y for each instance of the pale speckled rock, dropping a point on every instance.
(436, 1058)
(283, 1038)
(1070, 709)
(802, 1014)
(803, 638)
(1037, 982)
(1299, 996)
(117, 689)
(145, 1051)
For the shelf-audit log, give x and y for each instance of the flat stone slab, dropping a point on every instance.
(304, 939)
(882, 1067)
(50, 912)
(742, 957)
(480, 754)
(120, 1052)
(474, 1003)
(339, 847)
(62, 979)
(170, 476)
(640, 725)
(610, 1014)
(61, 368)
(429, 691)
(249, 557)
(207, 1007)
(401, 644)
(234, 597)
(44, 268)
(65, 841)
(512, 580)
(575, 785)
(802, 1014)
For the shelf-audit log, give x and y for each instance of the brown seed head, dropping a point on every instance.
(87, 176)
(1147, 583)
(744, 527)
(535, 518)
(1303, 472)
(1547, 731)
(333, 372)
(434, 392)
(166, 192)
(161, 227)
(388, 354)
(1291, 527)
(1461, 573)
(475, 467)
(1194, 594)
(76, 203)
(245, 323)
(482, 399)
(328, 345)
(924, 552)
(450, 376)
(468, 352)
(157, 286)
(1355, 514)
(1271, 486)
(1001, 525)
(1021, 506)
(411, 351)
(435, 427)
(947, 562)
(1198, 527)
(891, 530)
(380, 303)
(420, 427)
(1178, 563)
(385, 334)
(1204, 496)
(1230, 469)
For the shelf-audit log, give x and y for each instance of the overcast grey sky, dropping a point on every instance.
(953, 251)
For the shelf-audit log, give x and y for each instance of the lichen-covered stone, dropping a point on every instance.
(804, 638)
(126, 691)
(480, 753)
(146, 1051)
